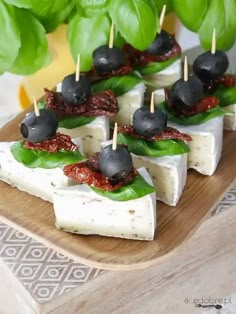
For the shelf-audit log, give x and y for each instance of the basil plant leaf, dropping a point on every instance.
(198, 118)
(191, 13)
(153, 149)
(10, 36)
(221, 16)
(136, 20)
(20, 3)
(226, 95)
(136, 189)
(33, 53)
(89, 33)
(118, 84)
(91, 8)
(40, 159)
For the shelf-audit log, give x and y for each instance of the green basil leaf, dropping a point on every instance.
(89, 33)
(10, 36)
(74, 121)
(69, 122)
(91, 8)
(155, 67)
(220, 15)
(136, 20)
(20, 3)
(136, 189)
(33, 53)
(198, 118)
(118, 84)
(54, 19)
(153, 149)
(191, 13)
(226, 95)
(39, 159)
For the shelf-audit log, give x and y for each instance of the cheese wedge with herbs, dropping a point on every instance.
(230, 120)
(36, 181)
(80, 210)
(206, 145)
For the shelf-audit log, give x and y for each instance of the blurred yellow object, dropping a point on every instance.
(62, 64)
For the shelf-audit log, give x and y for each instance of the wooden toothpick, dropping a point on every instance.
(114, 139)
(162, 16)
(36, 108)
(111, 39)
(152, 105)
(185, 69)
(213, 42)
(77, 73)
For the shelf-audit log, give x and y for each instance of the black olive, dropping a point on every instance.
(161, 44)
(115, 164)
(149, 124)
(107, 59)
(39, 128)
(75, 92)
(210, 66)
(184, 95)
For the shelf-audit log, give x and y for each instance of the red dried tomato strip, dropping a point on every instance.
(83, 174)
(225, 80)
(203, 105)
(57, 142)
(143, 58)
(168, 134)
(99, 104)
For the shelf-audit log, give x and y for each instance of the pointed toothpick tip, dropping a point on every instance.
(36, 108)
(77, 72)
(185, 69)
(152, 105)
(114, 139)
(162, 17)
(111, 39)
(213, 42)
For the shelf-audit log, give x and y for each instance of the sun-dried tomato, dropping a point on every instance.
(168, 134)
(88, 173)
(57, 142)
(99, 104)
(201, 106)
(225, 80)
(143, 58)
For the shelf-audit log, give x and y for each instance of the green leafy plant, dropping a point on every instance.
(40, 159)
(25, 23)
(136, 189)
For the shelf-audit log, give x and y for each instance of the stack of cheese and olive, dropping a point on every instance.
(110, 192)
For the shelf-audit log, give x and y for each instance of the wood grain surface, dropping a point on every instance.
(174, 224)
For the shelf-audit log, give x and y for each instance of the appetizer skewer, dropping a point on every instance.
(198, 116)
(81, 112)
(160, 149)
(110, 186)
(34, 165)
(211, 67)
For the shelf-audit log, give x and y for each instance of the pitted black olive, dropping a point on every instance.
(162, 44)
(107, 59)
(75, 92)
(149, 124)
(115, 164)
(185, 94)
(210, 66)
(39, 128)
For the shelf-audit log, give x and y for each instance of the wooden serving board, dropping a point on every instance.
(174, 224)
